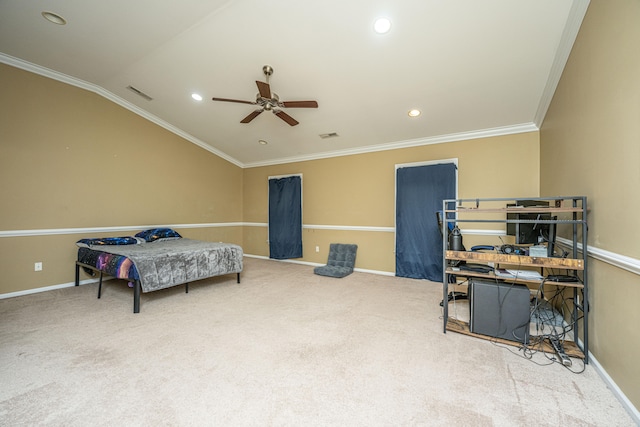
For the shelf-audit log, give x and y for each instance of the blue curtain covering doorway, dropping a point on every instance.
(285, 217)
(420, 191)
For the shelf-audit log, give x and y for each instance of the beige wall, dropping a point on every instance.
(72, 159)
(359, 191)
(590, 145)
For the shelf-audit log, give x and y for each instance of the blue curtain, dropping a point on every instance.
(285, 217)
(419, 195)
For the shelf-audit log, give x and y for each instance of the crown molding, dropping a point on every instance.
(568, 38)
(440, 139)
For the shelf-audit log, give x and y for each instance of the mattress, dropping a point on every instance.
(164, 263)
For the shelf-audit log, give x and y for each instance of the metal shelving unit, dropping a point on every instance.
(569, 216)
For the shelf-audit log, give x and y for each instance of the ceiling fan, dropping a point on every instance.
(270, 101)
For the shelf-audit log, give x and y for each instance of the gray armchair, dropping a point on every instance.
(342, 258)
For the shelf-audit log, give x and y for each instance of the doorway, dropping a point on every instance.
(285, 217)
(420, 190)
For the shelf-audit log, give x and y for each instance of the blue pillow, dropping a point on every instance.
(156, 234)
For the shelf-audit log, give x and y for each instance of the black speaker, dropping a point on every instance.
(499, 310)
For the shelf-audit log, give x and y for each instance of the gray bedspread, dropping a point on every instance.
(163, 264)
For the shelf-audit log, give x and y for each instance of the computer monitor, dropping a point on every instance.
(528, 232)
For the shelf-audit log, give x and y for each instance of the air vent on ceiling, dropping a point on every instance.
(140, 93)
(329, 135)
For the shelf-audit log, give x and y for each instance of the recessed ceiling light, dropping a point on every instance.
(54, 18)
(382, 25)
(196, 96)
(262, 142)
(414, 113)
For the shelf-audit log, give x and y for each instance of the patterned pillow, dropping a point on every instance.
(158, 234)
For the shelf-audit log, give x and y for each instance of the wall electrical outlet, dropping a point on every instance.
(37, 266)
(317, 248)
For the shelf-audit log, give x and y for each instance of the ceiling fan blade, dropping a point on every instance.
(264, 89)
(300, 104)
(233, 100)
(251, 116)
(287, 118)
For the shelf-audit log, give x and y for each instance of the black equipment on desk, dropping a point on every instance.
(529, 232)
(454, 236)
(477, 268)
(455, 240)
(514, 250)
(482, 248)
(499, 310)
(562, 278)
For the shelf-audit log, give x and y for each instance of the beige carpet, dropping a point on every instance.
(283, 348)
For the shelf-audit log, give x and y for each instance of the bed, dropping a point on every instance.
(156, 259)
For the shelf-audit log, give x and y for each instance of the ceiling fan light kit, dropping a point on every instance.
(269, 101)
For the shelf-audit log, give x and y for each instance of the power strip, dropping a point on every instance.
(566, 361)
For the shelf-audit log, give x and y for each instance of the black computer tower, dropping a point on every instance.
(499, 310)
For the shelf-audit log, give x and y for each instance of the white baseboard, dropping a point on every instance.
(626, 403)
(315, 264)
(50, 288)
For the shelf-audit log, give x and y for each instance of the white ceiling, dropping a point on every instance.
(473, 67)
